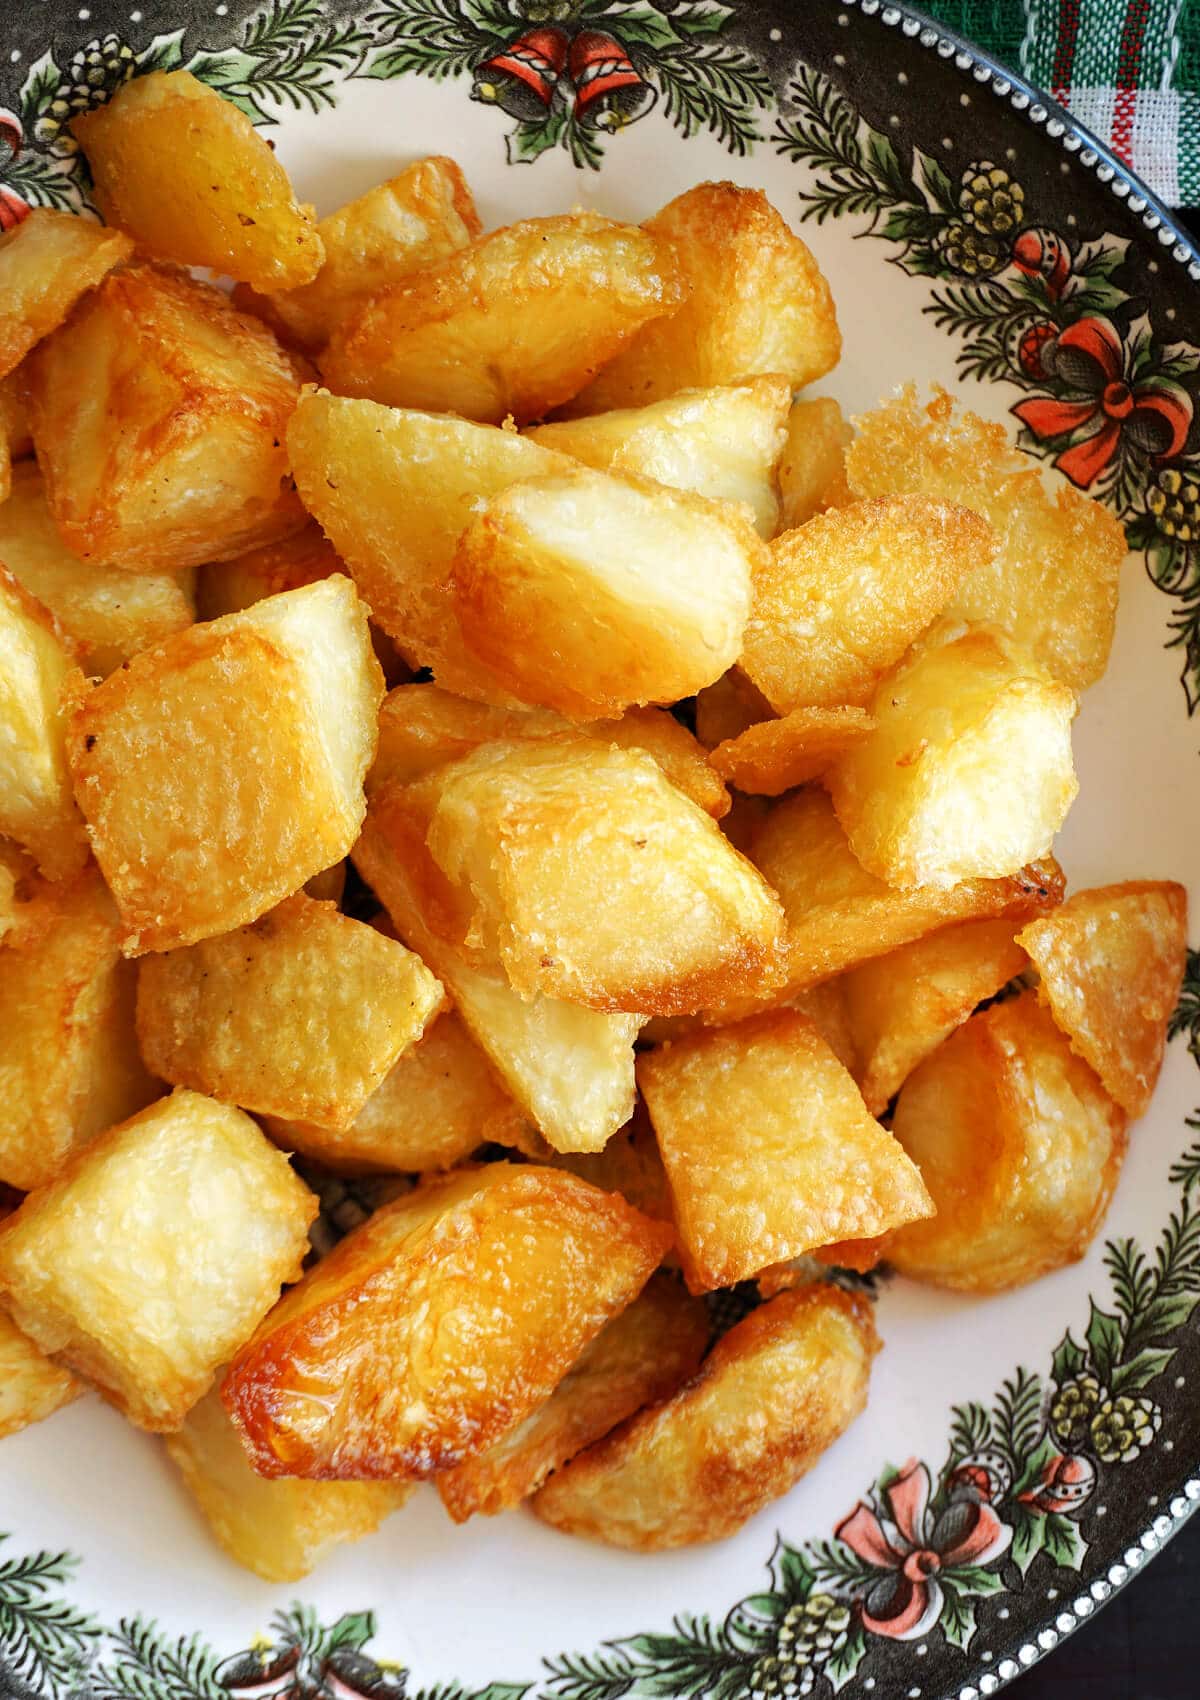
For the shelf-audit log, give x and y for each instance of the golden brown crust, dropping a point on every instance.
(32, 1387)
(777, 755)
(226, 587)
(47, 262)
(812, 469)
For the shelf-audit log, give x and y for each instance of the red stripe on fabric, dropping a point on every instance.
(1064, 50)
(1128, 60)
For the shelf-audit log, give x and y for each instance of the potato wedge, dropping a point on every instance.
(14, 415)
(281, 1530)
(723, 442)
(415, 219)
(108, 615)
(727, 707)
(438, 1325)
(155, 1253)
(527, 835)
(839, 915)
(47, 262)
(639, 1358)
(1019, 1145)
(1111, 962)
(755, 302)
(570, 1069)
(226, 587)
(221, 770)
(769, 1149)
(901, 1006)
(812, 469)
(159, 414)
(69, 1061)
(32, 1386)
(589, 593)
(776, 755)
(629, 1164)
(968, 773)
(1053, 584)
(514, 324)
(771, 1396)
(192, 181)
(236, 1016)
(843, 597)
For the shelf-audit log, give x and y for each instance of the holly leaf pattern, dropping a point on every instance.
(957, 1621)
(1068, 1360)
(843, 1664)
(1029, 1530)
(1104, 1341)
(1062, 1541)
(791, 1572)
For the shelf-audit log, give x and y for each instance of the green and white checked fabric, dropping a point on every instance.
(1128, 69)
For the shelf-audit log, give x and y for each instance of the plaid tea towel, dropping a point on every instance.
(1128, 69)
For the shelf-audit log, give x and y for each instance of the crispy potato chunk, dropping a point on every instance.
(69, 1060)
(968, 773)
(727, 707)
(901, 1006)
(235, 1016)
(159, 414)
(723, 442)
(639, 1358)
(1111, 962)
(514, 324)
(282, 1529)
(32, 1387)
(839, 915)
(769, 1149)
(226, 587)
(1018, 1143)
(570, 1069)
(438, 1325)
(528, 834)
(777, 755)
(47, 262)
(36, 805)
(156, 1252)
(812, 470)
(108, 615)
(1053, 584)
(415, 219)
(587, 593)
(438, 1104)
(773, 1393)
(14, 415)
(393, 491)
(629, 1164)
(755, 302)
(190, 178)
(843, 597)
(221, 770)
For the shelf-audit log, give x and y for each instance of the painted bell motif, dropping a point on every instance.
(609, 92)
(522, 78)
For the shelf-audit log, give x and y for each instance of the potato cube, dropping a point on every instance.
(108, 615)
(723, 442)
(587, 593)
(639, 1358)
(839, 915)
(843, 597)
(159, 415)
(514, 324)
(226, 587)
(770, 1397)
(1111, 962)
(777, 755)
(769, 1149)
(968, 773)
(281, 1529)
(221, 770)
(415, 219)
(190, 178)
(32, 1387)
(727, 707)
(47, 262)
(570, 1069)
(36, 805)
(755, 302)
(69, 1061)
(438, 1325)
(1019, 1145)
(393, 490)
(528, 835)
(155, 1253)
(901, 1006)
(1053, 584)
(812, 469)
(236, 1016)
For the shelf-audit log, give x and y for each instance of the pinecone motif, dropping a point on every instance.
(94, 74)
(1174, 500)
(811, 1632)
(543, 11)
(1123, 1427)
(972, 252)
(990, 200)
(1074, 1406)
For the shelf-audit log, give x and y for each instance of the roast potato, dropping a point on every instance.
(226, 587)
(47, 262)
(32, 1386)
(812, 469)
(776, 755)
